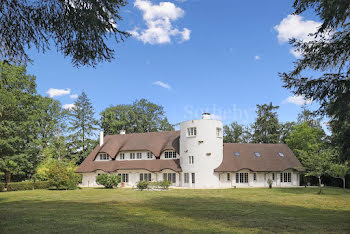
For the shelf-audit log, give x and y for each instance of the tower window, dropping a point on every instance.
(191, 131)
(218, 132)
(191, 160)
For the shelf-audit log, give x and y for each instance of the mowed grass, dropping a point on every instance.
(175, 211)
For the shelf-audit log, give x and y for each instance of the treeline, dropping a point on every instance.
(36, 131)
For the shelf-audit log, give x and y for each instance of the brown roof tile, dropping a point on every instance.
(268, 161)
(156, 142)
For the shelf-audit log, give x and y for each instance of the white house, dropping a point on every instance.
(193, 157)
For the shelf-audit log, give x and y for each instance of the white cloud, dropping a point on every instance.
(68, 106)
(159, 19)
(57, 92)
(162, 84)
(297, 100)
(294, 26)
(73, 96)
(257, 57)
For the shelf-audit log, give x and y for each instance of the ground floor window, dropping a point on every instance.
(254, 176)
(242, 177)
(273, 176)
(124, 177)
(228, 176)
(170, 177)
(193, 178)
(187, 178)
(286, 177)
(145, 177)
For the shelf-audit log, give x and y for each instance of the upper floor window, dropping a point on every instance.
(219, 132)
(192, 131)
(139, 155)
(170, 154)
(191, 160)
(104, 156)
(132, 155)
(122, 156)
(149, 155)
(257, 154)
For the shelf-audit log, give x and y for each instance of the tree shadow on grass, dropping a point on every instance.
(314, 190)
(167, 214)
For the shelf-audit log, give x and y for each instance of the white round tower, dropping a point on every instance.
(201, 151)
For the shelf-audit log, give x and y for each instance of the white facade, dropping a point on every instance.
(200, 152)
(199, 139)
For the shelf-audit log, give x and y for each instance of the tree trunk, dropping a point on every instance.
(8, 177)
(319, 182)
(343, 182)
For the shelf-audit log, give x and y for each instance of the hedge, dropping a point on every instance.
(18, 186)
(41, 185)
(2, 187)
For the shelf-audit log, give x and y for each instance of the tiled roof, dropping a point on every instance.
(269, 159)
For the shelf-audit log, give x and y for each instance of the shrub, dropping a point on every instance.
(142, 185)
(269, 182)
(61, 176)
(41, 185)
(108, 180)
(165, 184)
(2, 187)
(18, 186)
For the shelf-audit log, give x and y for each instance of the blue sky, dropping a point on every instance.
(190, 56)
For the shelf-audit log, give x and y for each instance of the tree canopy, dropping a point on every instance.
(77, 28)
(141, 116)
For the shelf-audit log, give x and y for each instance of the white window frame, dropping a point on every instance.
(286, 177)
(242, 178)
(104, 157)
(193, 178)
(149, 155)
(170, 154)
(219, 132)
(192, 132)
(122, 156)
(124, 177)
(228, 176)
(186, 178)
(132, 156)
(191, 160)
(139, 155)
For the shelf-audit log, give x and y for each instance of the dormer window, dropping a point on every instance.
(122, 156)
(191, 132)
(170, 154)
(257, 154)
(104, 157)
(236, 154)
(281, 154)
(149, 155)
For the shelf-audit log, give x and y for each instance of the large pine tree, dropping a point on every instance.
(82, 125)
(266, 128)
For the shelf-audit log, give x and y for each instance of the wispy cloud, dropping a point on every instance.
(297, 100)
(68, 106)
(159, 18)
(162, 84)
(57, 92)
(257, 57)
(73, 96)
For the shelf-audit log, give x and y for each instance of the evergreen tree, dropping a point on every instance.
(328, 55)
(83, 125)
(266, 128)
(78, 28)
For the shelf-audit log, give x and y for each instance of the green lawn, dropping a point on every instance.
(126, 210)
